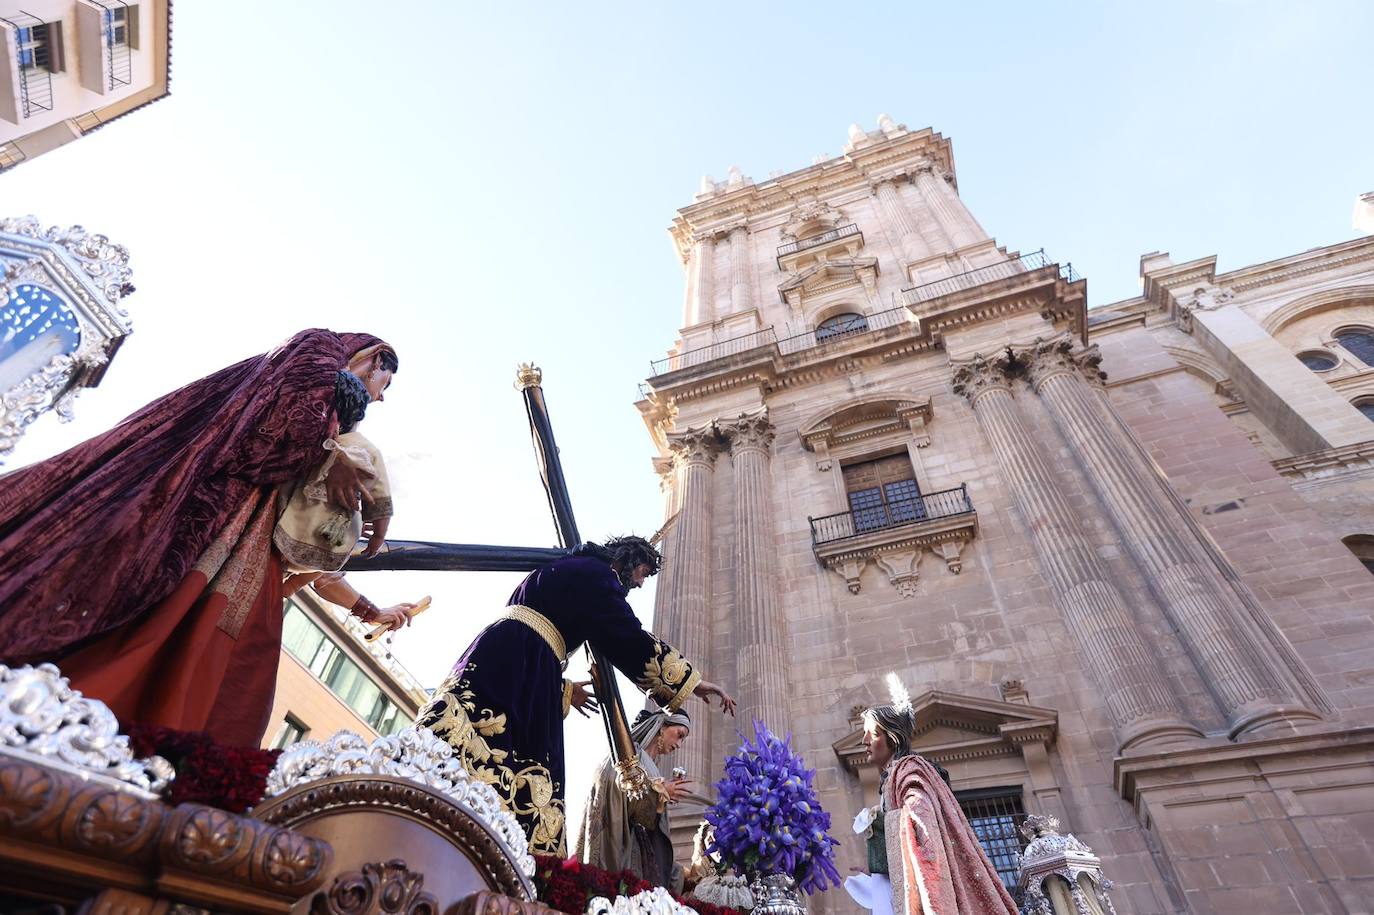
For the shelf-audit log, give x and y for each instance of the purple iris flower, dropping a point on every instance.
(767, 818)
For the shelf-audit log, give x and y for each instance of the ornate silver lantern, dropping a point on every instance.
(61, 320)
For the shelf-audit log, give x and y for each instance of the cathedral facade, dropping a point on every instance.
(1120, 558)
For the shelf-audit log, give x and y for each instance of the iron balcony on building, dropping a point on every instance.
(760, 342)
(927, 507)
(895, 536)
(36, 51)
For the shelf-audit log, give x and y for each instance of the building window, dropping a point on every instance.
(1318, 361)
(841, 326)
(1362, 545)
(996, 815)
(292, 731)
(313, 648)
(1358, 342)
(1366, 406)
(883, 493)
(40, 47)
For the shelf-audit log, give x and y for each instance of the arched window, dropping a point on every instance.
(1359, 342)
(841, 326)
(1362, 545)
(1317, 361)
(1366, 406)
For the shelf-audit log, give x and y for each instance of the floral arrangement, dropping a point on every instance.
(768, 820)
(230, 778)
(570, 886)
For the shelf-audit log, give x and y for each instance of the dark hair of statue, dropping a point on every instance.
(895, 726)
(625, 554)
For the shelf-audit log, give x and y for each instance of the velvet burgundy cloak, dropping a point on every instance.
(944, 870)
(96, 536)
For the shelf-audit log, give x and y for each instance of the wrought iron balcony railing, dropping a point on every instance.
(32, 54)
(815, 241)
(115, 26)
(915, 295)
(928, 507)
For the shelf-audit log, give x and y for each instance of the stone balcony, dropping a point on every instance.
(847, 239)
(895, 536)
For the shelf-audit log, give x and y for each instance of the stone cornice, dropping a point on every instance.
(1332, 462)
(1316, 260)
(1190, 765)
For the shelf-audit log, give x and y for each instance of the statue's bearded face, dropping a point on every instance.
(635, 577)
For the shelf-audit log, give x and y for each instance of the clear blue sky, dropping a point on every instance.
(483, 184)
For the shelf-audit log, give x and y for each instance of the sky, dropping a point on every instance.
(487, 184)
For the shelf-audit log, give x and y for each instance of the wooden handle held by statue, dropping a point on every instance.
(420, 607)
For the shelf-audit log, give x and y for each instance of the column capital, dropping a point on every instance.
(1043, 359)
(976, 376)
(932, 167)
(749, 430)
(695, 446)
(888, 179)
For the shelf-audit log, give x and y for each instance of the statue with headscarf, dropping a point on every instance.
(619, 834)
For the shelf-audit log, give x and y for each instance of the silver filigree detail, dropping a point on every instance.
(105, 263)
(1052, 855)
(414, 753)
(47, 389)
(44, 719)
(657, 901)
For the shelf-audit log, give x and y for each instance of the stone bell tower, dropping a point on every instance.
(892, 444)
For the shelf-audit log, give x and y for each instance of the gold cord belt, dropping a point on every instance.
(543, 626)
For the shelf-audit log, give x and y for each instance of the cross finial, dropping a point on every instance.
(528, 375)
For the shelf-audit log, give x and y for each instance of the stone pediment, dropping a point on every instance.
(865, 418)
(828, 276)
(951, 727)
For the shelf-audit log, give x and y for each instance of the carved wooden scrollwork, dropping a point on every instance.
(489, 903)
(418, 802)
(388, 888)
(85, 832)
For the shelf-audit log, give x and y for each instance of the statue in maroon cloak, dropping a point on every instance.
(943, 869)
(140, 561)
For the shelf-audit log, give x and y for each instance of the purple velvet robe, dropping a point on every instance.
(501, 709)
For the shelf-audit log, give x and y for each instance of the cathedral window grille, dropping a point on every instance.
(841, 326)
(1358, 342)
(883, 493)
(996, 815)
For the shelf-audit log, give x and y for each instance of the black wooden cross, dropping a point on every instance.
(418, 555)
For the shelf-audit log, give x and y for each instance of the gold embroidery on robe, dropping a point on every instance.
(526, 787)
(668, 676)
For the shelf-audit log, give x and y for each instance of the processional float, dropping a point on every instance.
(347, 827)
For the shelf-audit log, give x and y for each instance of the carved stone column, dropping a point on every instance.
(1209, 620)
(702, 303)
(1142, 706)
(682, 605)
(899, 219)
(761, 629)
(949, 210)
(741, 289)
